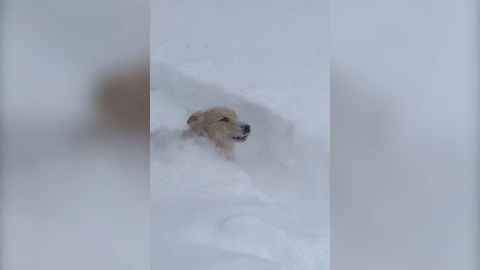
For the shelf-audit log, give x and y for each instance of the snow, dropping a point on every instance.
(268, 208)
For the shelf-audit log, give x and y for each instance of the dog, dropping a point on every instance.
(221, 126)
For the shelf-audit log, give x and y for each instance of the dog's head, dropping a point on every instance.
(220, 124)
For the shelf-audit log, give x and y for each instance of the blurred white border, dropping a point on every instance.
(405, 134)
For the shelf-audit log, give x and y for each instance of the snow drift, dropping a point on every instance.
(268, 209)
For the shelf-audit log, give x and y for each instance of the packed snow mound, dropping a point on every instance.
(267, 209)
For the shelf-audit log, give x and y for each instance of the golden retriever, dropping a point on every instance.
(220, 125)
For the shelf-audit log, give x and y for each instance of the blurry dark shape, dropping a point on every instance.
(74, 193)
(123, 99)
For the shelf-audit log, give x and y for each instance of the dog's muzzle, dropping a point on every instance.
(245, 131)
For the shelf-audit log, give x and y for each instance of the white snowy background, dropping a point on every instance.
(269, 208)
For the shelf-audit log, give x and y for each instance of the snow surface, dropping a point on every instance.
(269, 208)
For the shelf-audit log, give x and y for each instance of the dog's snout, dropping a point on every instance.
(246, 129)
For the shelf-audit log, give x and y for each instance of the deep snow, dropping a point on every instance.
(269, 208)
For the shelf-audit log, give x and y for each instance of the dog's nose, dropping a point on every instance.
(246, 129)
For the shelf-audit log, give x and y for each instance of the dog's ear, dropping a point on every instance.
(194, 118)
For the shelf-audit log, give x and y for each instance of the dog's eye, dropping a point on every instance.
(224, 119)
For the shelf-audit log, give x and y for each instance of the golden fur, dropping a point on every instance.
(220, 125)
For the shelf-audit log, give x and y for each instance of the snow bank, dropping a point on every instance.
(268, 209)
